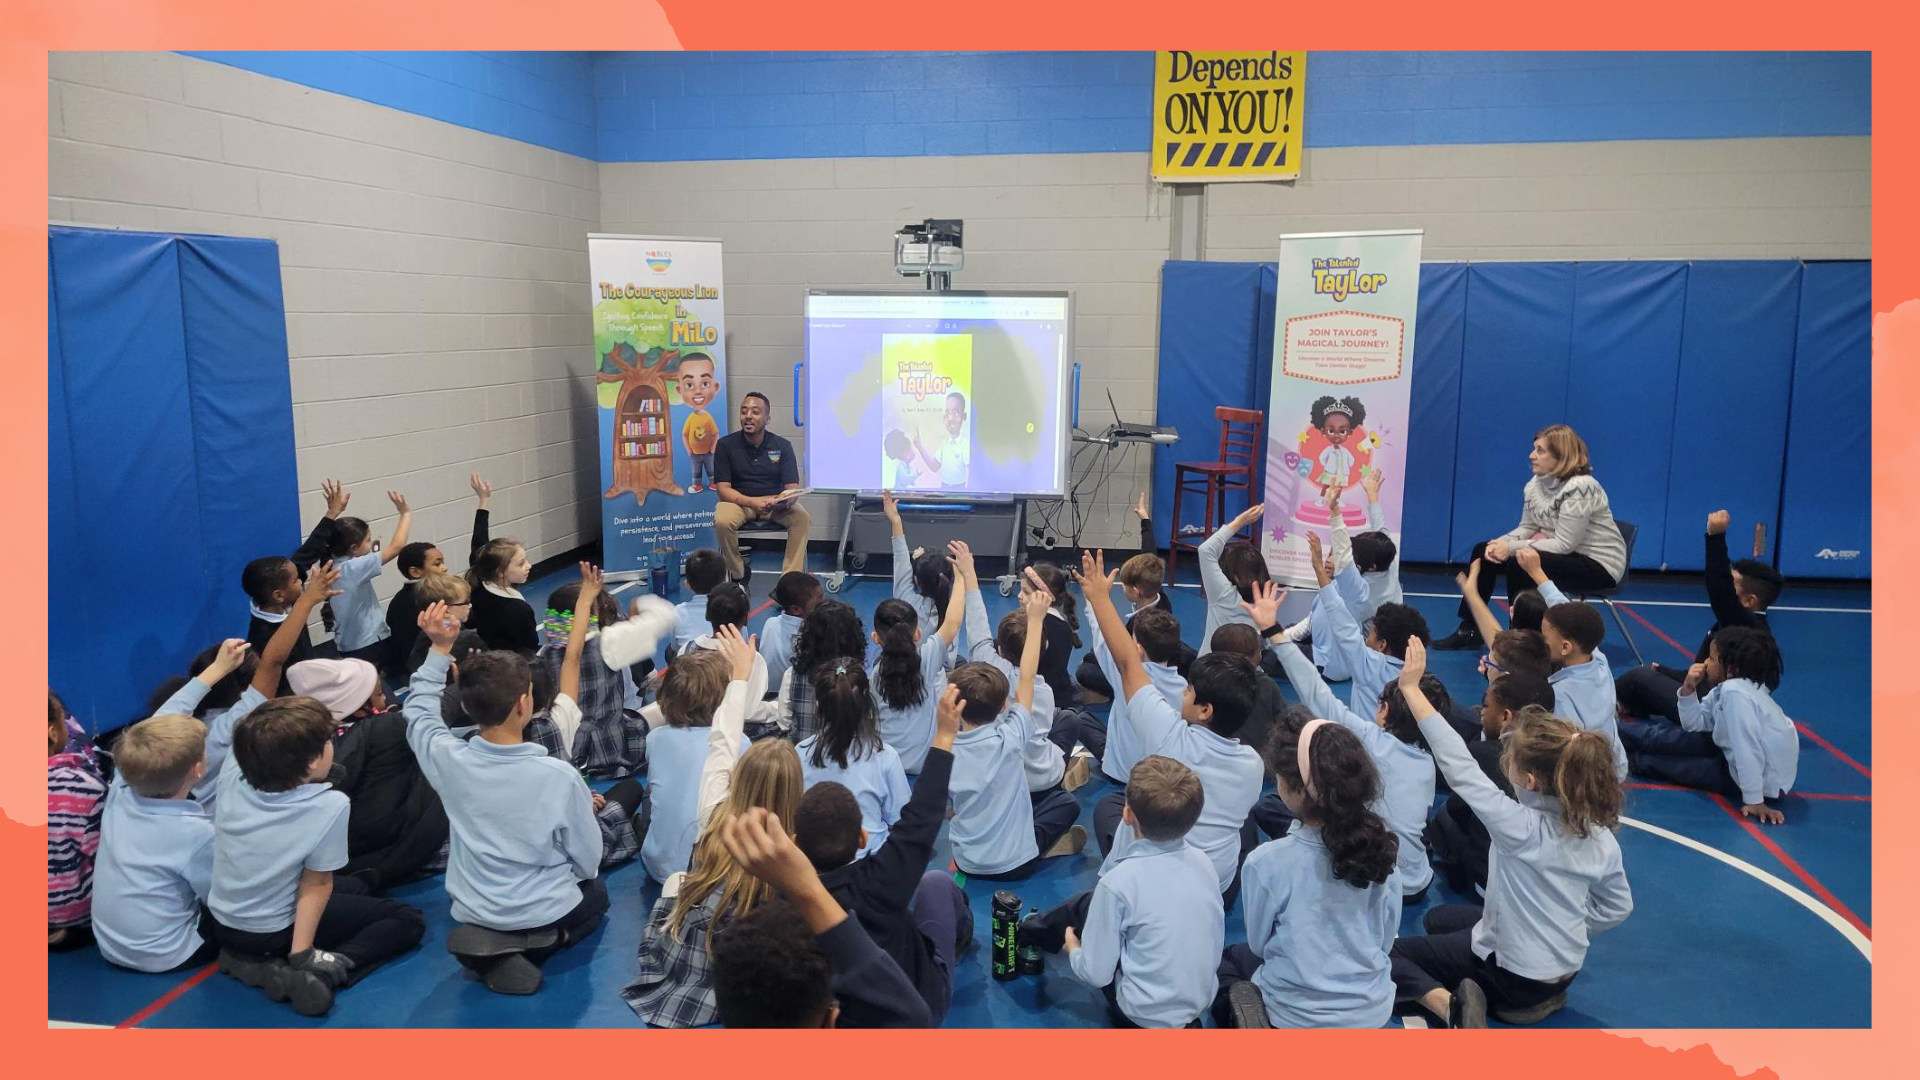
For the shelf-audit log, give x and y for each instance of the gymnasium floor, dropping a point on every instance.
(1733, 926)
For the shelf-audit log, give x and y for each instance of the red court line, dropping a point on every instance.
(764, 605)
(1831, 749)
(168, 998)
(1811, 882)
(1804, 729)
(1641, 785)
(1657, 632)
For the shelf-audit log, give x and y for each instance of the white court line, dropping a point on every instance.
(1827, 914)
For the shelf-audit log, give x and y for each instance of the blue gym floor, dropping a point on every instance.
(1721, 910)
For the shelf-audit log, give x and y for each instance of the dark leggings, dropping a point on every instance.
(584, 919)
(1444, 956)
(1054, 812)
(1650, 690)
(1573, 574)
(365, 929)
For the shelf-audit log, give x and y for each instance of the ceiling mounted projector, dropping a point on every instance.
(930, 249)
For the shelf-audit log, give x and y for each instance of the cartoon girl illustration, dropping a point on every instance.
(1336, 418)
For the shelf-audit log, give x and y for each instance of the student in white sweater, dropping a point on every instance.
(1566, 519)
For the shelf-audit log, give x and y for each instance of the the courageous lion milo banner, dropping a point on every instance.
(1342, 386)
(659, 338)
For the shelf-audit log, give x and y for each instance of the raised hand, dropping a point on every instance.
(759, 844)
(1415, 665)
(1717, 522)
(1094, 578)
(890, 507)
(232, 653)
(319, 587)
(739, 652)
(439, 625)
(961, 556)
(1371, 482)
(399, 502)
(1529, 560)
(1140, 507)
(1322, 562)
(1265, 609)
(946, 716)
(1035, 601)
(1331, 496)
(481, 489)
(336, 495)
(592, 581)
(1248, 516)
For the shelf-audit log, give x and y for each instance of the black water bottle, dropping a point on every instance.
(1031, 960)
(1006, 935)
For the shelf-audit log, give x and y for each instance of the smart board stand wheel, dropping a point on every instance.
(857, 560)
(1008, 582)
(835, 581)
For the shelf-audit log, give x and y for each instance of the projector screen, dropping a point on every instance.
(956, 394)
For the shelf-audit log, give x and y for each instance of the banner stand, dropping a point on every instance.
(660, 372)
(1342, 390)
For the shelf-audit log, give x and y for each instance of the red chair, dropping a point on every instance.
(1240, 431)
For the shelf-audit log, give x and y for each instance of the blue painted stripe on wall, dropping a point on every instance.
(627, 106)
(708, 106)
(541, 98)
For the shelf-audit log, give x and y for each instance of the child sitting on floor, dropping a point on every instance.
(910, 674)
(1229, 573)
(272, 584)
(918, 916)
(1459, 838)
(1554, 875)
(1239, 639)
(1322, 903)
(415, 562)
(832, 630)
(705, 569)
(359, 630)
(1582, 680)
(848, 751)
(1142, 583)
(75, 794)
(1372, 654)
(523, 872)
(795, 595)
(500, 615)
(1055, 731)
(156, 849)
(1148, 932)
(1000, 831)
(609, 742)
(704, 711)
(1733, 739)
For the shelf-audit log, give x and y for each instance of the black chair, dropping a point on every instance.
(759, 530)
(1628, 531)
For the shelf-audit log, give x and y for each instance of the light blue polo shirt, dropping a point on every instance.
(262, 840)
(674, 758)
(357, 619)
(876, 779)
(777, 635)
(1230, 776)
(992, 826)
(1323, 944)
(1156, 929)
(154, 868)
(910, 730)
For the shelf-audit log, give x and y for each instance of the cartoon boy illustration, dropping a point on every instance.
(1336, 418)
(700, 433)
(899, 450)
(955, 454)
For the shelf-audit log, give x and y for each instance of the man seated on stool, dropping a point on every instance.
(751, 467)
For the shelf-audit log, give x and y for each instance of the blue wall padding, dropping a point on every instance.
(1434, 431)
(1627, 320)
(164, 366)
(1519, 336)
(242, 412)
(1677, 374)
(1730, 407)
(1826, 510)
(1208, 318)
(67, 616)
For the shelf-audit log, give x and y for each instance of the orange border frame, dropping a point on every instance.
(29, 28)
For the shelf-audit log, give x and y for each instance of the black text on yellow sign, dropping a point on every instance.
(1228, 115)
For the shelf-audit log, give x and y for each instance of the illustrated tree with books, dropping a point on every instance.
(642, 441)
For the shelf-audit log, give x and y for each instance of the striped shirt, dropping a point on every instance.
(76, 797)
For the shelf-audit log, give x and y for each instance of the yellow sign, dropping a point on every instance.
(1228, 115)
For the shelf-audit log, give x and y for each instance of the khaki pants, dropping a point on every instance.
(728, 517)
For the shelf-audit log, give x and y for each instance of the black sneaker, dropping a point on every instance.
(1533, 1014)
(312, 994)
(337, 970)
(1466, 637)
(1033, 934)
(264, 973)
(1469, 1008)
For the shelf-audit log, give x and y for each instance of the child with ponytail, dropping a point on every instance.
(910, 675)
(1323, 901)
(848, 749)
(922, 578)
(1554, 874)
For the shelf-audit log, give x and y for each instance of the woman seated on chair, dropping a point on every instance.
(1566, 519)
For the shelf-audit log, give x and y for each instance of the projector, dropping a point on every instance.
(929, 249)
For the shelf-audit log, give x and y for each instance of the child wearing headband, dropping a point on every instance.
(1323, 901)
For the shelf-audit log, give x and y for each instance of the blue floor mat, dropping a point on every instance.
(1712, 932)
